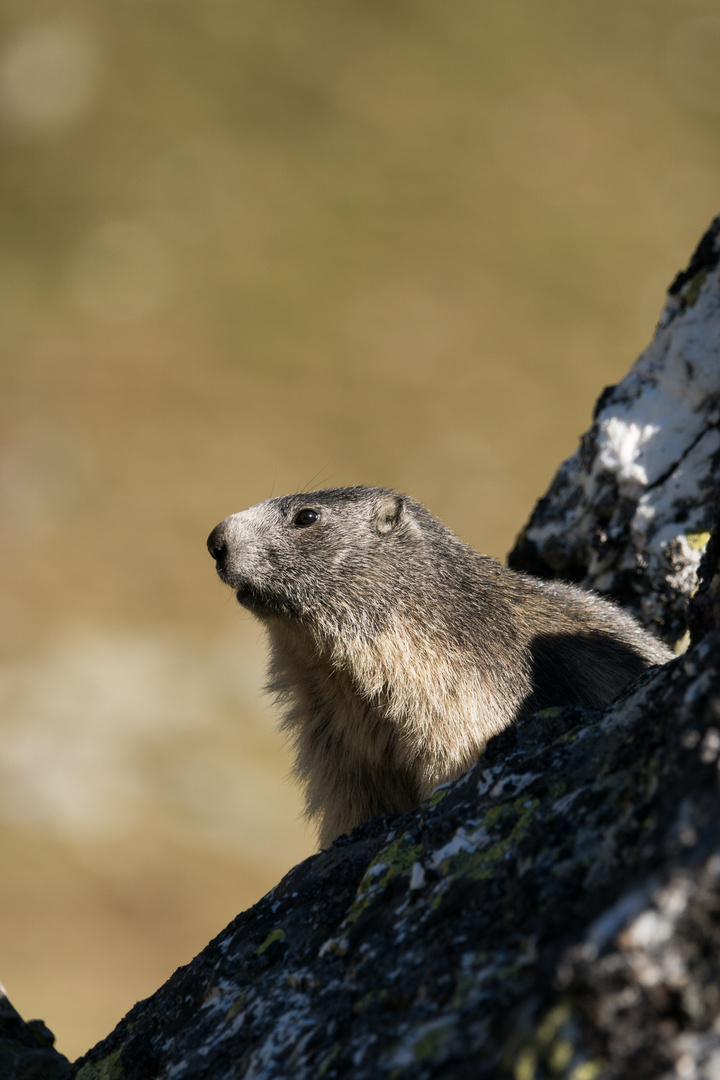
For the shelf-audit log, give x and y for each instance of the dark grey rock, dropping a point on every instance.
(26, 1048)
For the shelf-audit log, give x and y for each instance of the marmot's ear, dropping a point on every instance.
(388, 513)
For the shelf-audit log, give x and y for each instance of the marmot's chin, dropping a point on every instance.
(249, 598)
(244, 594)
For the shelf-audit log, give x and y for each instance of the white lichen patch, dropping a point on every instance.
(460, 843)
(417, 877)
(624, 447)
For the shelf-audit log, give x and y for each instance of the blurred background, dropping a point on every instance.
(249, 248)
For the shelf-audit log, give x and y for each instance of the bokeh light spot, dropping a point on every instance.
(48, 76)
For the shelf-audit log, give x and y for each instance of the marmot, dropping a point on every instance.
(398, 651)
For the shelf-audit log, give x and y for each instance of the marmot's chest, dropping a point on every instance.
(348, 720)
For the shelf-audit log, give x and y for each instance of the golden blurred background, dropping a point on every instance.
(252, 247)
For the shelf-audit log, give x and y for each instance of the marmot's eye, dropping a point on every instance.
(303, 518)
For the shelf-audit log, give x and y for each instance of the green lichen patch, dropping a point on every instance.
(588, 1070)
(481, 862)
(698, 541)
(328, 1060)
(370, 1000)
(275, 935)
(109, 1068)
(236, 1006)
(692, 289)
(550, 1049)
(553, 1049)
(395, 860)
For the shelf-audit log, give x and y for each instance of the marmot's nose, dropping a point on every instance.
(217, 545)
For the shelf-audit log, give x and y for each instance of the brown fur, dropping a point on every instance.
(397, 651)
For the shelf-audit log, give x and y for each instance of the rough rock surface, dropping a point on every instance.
(556, 911)
(26, 1048)
(628, 514)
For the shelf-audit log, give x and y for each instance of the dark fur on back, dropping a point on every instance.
(397, 651)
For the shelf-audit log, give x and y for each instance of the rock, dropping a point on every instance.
(555, 911)
(629, 513)
(26, 1048)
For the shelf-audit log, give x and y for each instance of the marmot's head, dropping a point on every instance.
(328, 558)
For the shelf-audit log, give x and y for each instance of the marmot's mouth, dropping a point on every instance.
(261, 602)
(244, 591)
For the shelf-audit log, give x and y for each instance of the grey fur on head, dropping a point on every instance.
(397, 651)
